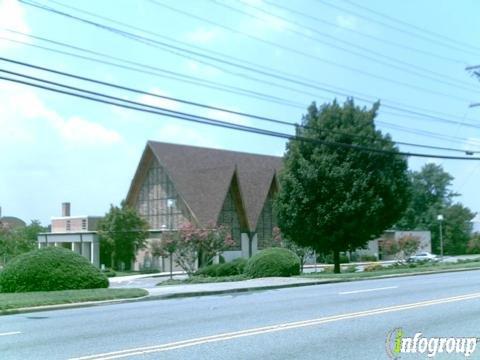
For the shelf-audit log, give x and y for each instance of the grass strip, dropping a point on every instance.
(393, 271)
(10, 301)
(203, 280)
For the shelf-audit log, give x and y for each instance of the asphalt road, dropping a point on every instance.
(334, 321)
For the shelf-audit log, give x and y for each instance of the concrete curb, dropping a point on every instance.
(312, 283)
(70, 305)
(217, 292)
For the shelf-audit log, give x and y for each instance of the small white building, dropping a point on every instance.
(77, 233)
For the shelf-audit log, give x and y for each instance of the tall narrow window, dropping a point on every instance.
(158, 201)
(229, 217)
(266, 222)
(68, 225)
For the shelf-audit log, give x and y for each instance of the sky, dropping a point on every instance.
(409, 55)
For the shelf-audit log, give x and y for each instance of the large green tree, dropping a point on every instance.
(122, 232)
(15, 241)
(431, 195)
(336, 197)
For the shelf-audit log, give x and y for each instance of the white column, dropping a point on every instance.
(91, 252)
(254, 244)
(245, 244)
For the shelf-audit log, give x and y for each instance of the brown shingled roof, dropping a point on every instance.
(202, 177)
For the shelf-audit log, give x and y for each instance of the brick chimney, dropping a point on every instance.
(65, 209)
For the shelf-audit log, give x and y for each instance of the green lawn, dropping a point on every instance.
(394, 271)
(203, 280)
(9, 301)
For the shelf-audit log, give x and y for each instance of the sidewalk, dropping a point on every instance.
(143, 280)
(176, 291)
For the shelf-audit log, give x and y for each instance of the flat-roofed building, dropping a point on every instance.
(77, 233)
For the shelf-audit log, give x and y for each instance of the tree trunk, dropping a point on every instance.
(171, 266)
(336, 261)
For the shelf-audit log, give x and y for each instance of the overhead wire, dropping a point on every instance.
(372, 55)
(304, 82)
(150, 41)
(359, 32)
(409, 25)
(428, 39)
(308, 55)
(213, 122)
(183, 101)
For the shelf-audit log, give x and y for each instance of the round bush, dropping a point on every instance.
(48, 269)
(231, 268)
(273, 262)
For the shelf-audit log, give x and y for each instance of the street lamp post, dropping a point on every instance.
(440, 219)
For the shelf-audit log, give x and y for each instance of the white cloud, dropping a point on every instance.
(263, 24)
(203, 35)
(347, 21)
(159, 102)
(472, 143)
(184, 134)
(23, 116)
(228, 117)
(12, 17)
(199, 69)
(78, 131)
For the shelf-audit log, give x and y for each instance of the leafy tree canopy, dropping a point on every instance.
(122, 232)
(431, 195)
(16, 241)
(335, 198)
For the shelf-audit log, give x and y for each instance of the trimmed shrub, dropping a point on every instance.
(48, 269)
(350, 269)
(328, 259)
(235, 267)
(149, 271)
(273, 262)
(368, 258)
(373, 267)
(109, 272)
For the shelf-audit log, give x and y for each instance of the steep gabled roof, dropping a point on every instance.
(202, 177)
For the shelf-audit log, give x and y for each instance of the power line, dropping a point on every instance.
(237, 90)
(149, 41)
(406, 66)
(406, 24)
(121, 87)
(213, 122)
(305, 82)
(244, 61)
(403, 31)
(165, 74)
(308, 55)
(358, 32)
(425, 133)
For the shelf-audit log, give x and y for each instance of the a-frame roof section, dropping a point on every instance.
(202, 177)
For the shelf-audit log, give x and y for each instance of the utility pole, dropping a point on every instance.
(440, 219)
(475, 71)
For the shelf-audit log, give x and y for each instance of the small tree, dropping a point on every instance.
(302, 252)
(402, 248)
(474, 244)
(196, 244)
(122, 232)
(391, 247)
(408, 244)
(166, 247)
(16, 241)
